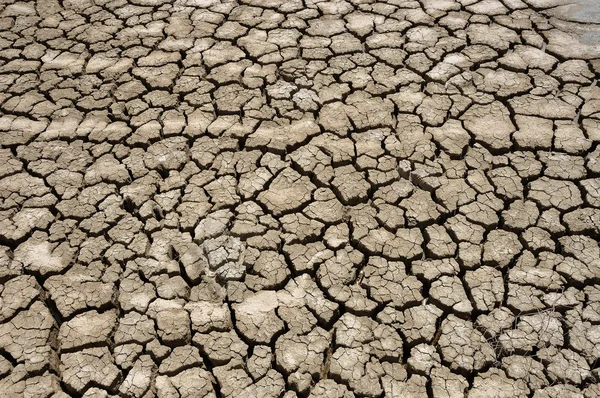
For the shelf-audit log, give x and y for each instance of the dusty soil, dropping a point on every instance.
(286, 198)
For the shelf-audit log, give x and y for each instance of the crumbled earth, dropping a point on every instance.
(286, 198)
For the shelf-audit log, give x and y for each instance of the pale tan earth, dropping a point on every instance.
(300, 198)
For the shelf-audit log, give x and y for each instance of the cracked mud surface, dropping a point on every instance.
(272, 198)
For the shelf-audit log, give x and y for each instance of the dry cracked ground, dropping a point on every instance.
(303, 198)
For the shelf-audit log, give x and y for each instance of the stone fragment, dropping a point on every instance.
(172, 321)
(256, 318)
(29, 337)
(17, 294)
(486, 286)
(91, 365)
(449, 292)
(500, 248)
(445, 384)
(139, 378)
(463, 347)
(548, 192)
(86, 329)
(495, 383)
(287, 192)
(490, 125)
(451, 136)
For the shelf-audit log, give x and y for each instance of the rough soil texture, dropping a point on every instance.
(299, 198)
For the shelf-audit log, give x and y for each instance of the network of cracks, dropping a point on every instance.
(298, 198)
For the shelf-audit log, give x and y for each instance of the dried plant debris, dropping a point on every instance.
(285, 198)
